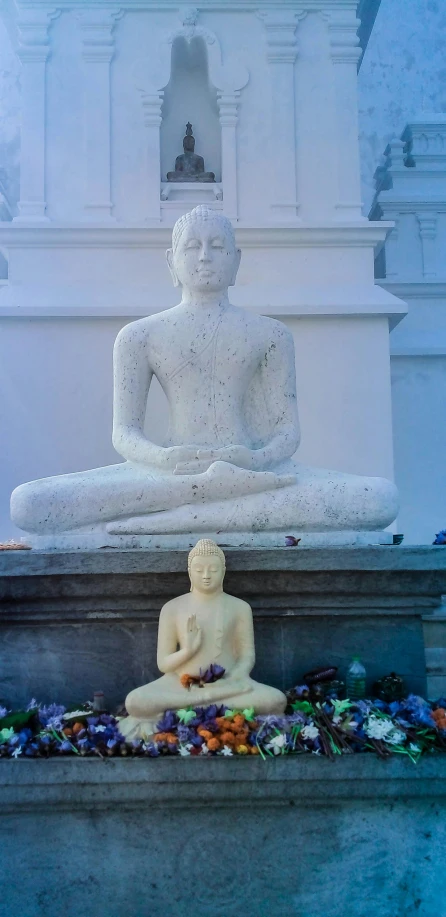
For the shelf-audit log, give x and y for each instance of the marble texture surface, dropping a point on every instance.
(227, 461)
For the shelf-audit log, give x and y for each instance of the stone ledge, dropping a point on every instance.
(368, 559)
(131, 782)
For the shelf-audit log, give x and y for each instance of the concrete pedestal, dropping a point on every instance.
(73, 623)
(215, 838)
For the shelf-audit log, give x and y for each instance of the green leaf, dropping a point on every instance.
(302, 706)
(248, 713)
(18, 719)
(5, 734)
(186, 714)
(340, 706)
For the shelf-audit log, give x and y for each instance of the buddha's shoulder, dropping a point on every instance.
(145, 328)
(238, 605)
(270, 327)
(174, 605)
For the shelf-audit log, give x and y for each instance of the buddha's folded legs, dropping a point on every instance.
(70, 501)
(320, 501)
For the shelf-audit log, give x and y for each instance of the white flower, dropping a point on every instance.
(377, 728)
(226, 751)
(185, 750)
(204, 749)
(17, 751)
(70, 714)
(413, 747)
(310, 732)
(277, 743)
(396, 737)
(337, 719)
(99, 728)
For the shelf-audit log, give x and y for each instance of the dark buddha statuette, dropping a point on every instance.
(189, 166)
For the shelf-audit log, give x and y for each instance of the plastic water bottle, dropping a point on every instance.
(355, 680)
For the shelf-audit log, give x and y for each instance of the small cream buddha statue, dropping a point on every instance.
(195, 630)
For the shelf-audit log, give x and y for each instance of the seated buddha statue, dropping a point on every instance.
(189, 166)
(195, 630)
(226, 464)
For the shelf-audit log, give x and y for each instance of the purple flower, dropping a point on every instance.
(168, 722)
(440, 537)
(65, 746)
(3, 712)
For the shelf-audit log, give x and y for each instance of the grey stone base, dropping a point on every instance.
(220, 838)
(74, 623)
(90, 541)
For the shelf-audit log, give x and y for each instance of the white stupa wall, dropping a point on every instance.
(86, 247)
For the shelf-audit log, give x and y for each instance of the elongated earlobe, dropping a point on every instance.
(169, 257)
(238, 255)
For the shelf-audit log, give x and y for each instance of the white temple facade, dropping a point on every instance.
(106, 91)
(411, 191)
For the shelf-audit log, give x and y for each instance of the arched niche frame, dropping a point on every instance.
(229, 78)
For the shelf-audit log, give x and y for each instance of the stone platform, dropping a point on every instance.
(286, 837)
(73, 623)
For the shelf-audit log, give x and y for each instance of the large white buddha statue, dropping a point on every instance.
(204, 628)
(226, 465)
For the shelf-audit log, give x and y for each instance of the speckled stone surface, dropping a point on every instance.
(227, 462)
(291, 837)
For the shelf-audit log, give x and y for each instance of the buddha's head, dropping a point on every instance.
(206, 567)
(204, 256)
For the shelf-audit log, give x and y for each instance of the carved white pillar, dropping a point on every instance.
(428, 223)
(228, 108)
(345, 54)
(98, 49)
(151, 103)
(280, 29)
(392, 247)
(33, 52)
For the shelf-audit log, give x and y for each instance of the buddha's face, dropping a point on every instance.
(189, 144)
(205, 258)
(206, 574)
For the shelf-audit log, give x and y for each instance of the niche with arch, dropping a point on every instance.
(190, 96)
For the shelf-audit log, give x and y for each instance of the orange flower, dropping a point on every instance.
(239, 720)
(67, 731)
(242, 749)
(204, 733)
(241, 738)
(77, 728)
(227, 738)
(439, 714)
(254, 750)
(213, 745)
(171, 738)
(160, 736)
(221, 721)
(187, 680)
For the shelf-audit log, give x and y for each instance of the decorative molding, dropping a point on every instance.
(97, 27)
(98, 47)
(281, 52)
(33, 28)
(188, 28)
(75, 235)
(344, 39)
